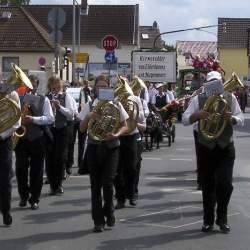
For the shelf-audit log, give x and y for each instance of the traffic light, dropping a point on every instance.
(66, 56)
(64, 53)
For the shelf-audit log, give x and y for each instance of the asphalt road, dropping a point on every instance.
(168, 215)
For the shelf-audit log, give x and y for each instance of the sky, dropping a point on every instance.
(179, 14)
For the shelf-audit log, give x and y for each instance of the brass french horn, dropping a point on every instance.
(109, 122)
(216, 106)
(122, 92)
(10, 113)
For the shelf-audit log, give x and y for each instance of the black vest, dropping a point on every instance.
(60, 119)
(160, 101)
(227, 135)
(35, 131)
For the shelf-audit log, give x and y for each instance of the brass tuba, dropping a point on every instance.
(123, 91)
(109, 122)
(9, 110)
(216, 106)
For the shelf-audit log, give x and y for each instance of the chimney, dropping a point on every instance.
(155, 25)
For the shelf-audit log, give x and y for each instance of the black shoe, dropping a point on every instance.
(7, 219)
(46, 182)
(23, 203)
(69, 171)
(224, 228)
(98, 228)
(120, 205)
(59, 190)
(52, 192)
(132, 202)
(110, 220)
(207, 228)
(34, 206)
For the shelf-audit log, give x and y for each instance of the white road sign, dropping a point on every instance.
(155, 66)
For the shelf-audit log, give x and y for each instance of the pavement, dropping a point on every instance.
(168, 215)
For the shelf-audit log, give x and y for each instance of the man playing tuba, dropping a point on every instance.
(216, 152)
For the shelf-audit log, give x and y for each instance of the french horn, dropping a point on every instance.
(109, 122)
(123, 92)
(216, 105)
(10, 113)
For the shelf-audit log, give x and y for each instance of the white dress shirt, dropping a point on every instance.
(141, 116)
(48, 117)
(170, 95)
(145, 107)
(7, 133)
(86, 110)
(70, 108)
(194, 107)
(152, 92)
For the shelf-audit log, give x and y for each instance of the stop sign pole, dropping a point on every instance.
(110, 43)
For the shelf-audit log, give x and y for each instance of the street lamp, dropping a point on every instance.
(176, 31)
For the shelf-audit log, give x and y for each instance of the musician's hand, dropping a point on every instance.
(228, 116)
(27, 120)
(111, 136)
(199, 116)
(93, 115)
(56, 104)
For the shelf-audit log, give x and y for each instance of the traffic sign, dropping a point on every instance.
(79, 70)
(56, 18)
(110, 43)
(80, 57)
(42, 61)
(110, 57)
(56, 36)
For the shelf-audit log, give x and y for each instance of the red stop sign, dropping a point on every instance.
(109, 43)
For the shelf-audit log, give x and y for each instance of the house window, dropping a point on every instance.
(6, 64)
(145, 36)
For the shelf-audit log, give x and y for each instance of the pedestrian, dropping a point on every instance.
(217, 156)
(30, 149)
(56, 153)
(102, 159)
(6, 171)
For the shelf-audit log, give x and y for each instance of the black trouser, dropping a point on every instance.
(196, 143)
(138, 166)
(30, 154)
(126, 173)
(216, 174)
(72, 131)
(56, 157)
(6, 173)
(102, 163)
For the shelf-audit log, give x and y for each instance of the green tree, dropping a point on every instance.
(14, 2)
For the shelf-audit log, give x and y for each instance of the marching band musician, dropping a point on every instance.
(64, 109)
(6, 172)
(102, 160)
(216, 157)
(30, 149)
(161, 99)
(84, 98)
(125, 181)
(137, 88)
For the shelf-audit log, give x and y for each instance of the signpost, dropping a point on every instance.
(56, 20)
(110, 43)
(155, 66)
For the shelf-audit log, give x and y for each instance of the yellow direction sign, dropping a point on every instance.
(80, 58)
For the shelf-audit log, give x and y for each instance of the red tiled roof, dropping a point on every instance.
(152, 33)
(118, 20)
(22, 33)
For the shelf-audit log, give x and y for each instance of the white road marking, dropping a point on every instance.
(73, 176)
(161, 178)
(181, 159)
(190, 179)
(152, 158)
(183, 149)
(168, 190)
(159, 212)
